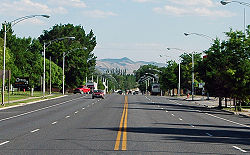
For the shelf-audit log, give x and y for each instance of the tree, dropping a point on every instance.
(226, 68)
(169, 76)
(186, 70)
(78, 63)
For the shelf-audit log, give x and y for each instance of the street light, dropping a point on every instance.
(225, 2)
(204, 36)
(200, 34)
(65, 54)
(154, 77)
(45, 45)
(12, 23)
(179, 84)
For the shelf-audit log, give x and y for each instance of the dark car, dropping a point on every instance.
(98, 93)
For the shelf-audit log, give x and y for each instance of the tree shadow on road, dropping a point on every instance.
(191, 134)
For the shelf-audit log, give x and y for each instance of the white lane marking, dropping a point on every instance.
(228, 120)
(239, 149)
(161, 108)
(38, 110)
(191, 125)
(54, 123)
(67, 117)
(34, 130)
(166, 111)
(83, 108)
(4, 143)
(180, 119)
(76, 112)
(209, 134)
(172, 114)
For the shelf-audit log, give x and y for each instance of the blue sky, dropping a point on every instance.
(137, 29)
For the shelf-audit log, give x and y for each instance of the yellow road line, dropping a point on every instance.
(117, 143)
(124, 117)
(124, 140)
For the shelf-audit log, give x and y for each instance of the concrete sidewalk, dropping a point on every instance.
(213, 103)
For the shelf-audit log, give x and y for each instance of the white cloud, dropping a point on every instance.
(193, 11)
(99, 14)
(204, 3)
(23, 7)
(170, 10)
(66, 3)
(143, 1)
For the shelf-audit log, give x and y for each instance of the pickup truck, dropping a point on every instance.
(81, 90)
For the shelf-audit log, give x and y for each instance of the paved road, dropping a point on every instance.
(119, 124)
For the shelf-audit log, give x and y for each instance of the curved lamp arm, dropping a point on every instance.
(225, 2)
(199, 34)
(14, 22)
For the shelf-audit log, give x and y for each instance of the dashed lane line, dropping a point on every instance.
(209, 134)
(172, 114)
(239, 149)
(83, 108)
(180, 119)
(76, 112)
(34, 130)
(191, 125)
(228, 120)
(54, 123)
(38, 110)
(4, 143)
(67, 117)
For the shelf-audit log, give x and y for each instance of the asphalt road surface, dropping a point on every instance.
(119, 124)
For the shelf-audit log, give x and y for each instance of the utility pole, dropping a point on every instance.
(50, 75)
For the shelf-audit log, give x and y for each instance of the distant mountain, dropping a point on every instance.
(123, 63)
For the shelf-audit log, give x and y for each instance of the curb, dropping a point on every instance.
(235, 113)
(206, 106)
(24, 104)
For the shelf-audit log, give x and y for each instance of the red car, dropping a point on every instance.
(98, 93)
(82, 89)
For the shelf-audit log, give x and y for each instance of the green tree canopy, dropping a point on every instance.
(79, 63)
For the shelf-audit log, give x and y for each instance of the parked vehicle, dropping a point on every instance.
(98, 93)
(81, 90)
(156, 90)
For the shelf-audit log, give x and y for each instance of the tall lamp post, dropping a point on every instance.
(204, 36)
(179, 84)
(45, 45)
(12, 23)
(225, 2)
(64, 55)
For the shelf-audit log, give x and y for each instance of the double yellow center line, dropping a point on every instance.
(123, 124)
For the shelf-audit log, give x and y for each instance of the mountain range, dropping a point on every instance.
(123, 63)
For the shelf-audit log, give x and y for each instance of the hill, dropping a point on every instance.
(123, 63)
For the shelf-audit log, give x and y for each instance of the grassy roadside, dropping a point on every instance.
(26, 98)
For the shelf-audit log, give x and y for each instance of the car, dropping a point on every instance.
(98, 93)
(119, 92)
(81, 90)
